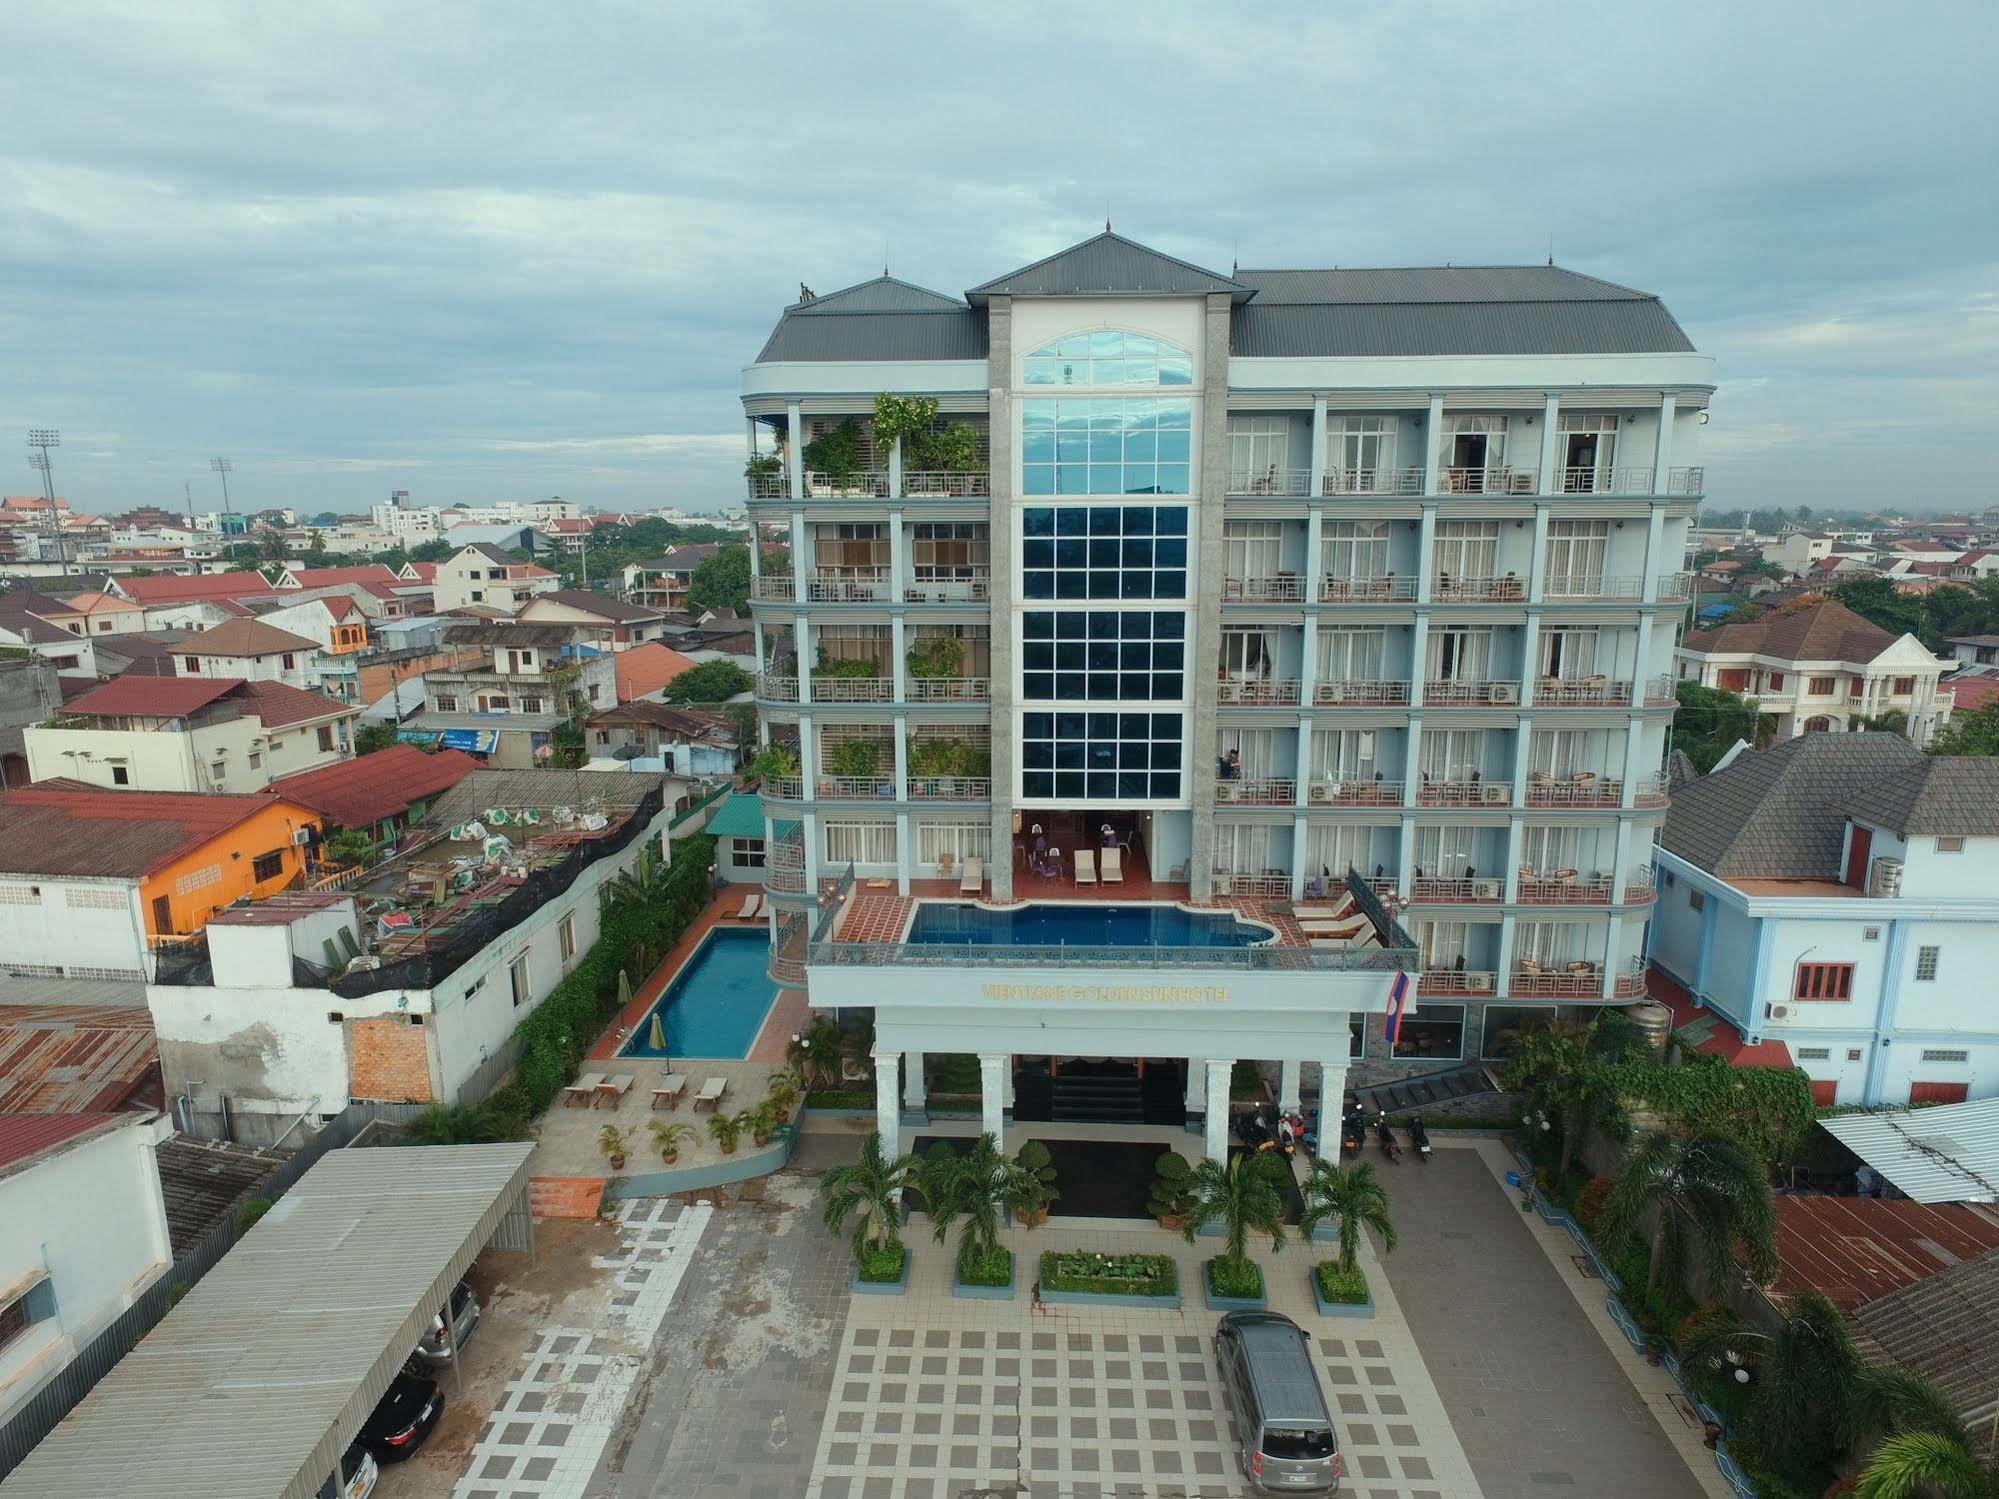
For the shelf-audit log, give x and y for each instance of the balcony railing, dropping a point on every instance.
(1606, 481)
(1358, 692)
(950, 689)
(1501, 480)
(1138, 958)
(1676, 586)
(1330, 791)
(1592, 586)
(1640, 889)
(1387, 589)
(1456, 981)
(1651, 790)
(849, 586)
(1372, 481)
(774, 588)
(865, 483)
(1564, 887)
(1686, 480)
(1284, 588)
(1659, 692)
(776, 689)
(1236, 692)
(1478, 793)
(857, 788)
(1457, 892)
(1581, 978)
(949, 788)
(775, 486)
(973, 590)
(1583, 789)
(827, 688)
(946, 482)
(1270, 481)
(1446, 589)
(1581, 692)
(1471, 694)
(782, 789)
(1255, 793)
(1252, 882)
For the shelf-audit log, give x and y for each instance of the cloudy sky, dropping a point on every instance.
(512, 250)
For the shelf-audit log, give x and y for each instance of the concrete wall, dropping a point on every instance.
(155, 760)
(55, 924)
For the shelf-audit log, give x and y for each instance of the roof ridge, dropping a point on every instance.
(1108, 234)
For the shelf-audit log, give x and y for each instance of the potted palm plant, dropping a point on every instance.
(1036, 1185)
(1352, 1197)
(667, 1136)
(870, 1192)
(782, 1095)
(725, 1130)
(1244, 1194)
(611, 1141)
(759, 1119)
(980, 1189)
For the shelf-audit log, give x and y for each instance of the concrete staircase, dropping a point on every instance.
(1412, 1095)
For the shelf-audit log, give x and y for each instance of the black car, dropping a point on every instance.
(399, 1424)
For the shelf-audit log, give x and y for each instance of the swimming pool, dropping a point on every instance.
(715, 1005)
(1081, 924)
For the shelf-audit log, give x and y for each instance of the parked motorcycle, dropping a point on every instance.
(1420, 1138)
(1353, 1134)
(1389, 1145)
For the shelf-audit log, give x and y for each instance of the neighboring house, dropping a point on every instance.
(692, 743)
(1976, 688)
(251, 650)
(486, 575)
(29, 695)
(62, 1056)
(378, 794)
(192, 616)
(1835, 901)
(148, 655)
(83, 1231)
(70, 655)
(508, 705)
(1796, 552)
(150, 733)
(163, 591)
(507, 536)
(741, 831)
(661, 583)
(594, 618)
(647, 669)
(413, 1022)
(1975, 650)
(337, 629)
(105, 614)
(97, 884)
(1819, 669)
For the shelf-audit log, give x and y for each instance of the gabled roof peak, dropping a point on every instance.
(1109, 265)
(885, 293)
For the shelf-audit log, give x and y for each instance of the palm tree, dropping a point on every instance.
(814, 1053)
(1353, 1197)
(1242, 1195)
(1565, 1072)
(982, 1187)
(1925, 1465)
(1703, 1191)
(872, 1188)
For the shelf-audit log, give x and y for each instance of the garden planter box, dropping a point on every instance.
(987, 1293)
(1167, 1301)
(884, 1287)
(1217, 1303)
(1338, 1308)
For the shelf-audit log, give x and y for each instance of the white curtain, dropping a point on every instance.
(1460, 655)
(860, 843)
(1452, 754)
(1444, 853)
(1344, 754)
(1352, 655)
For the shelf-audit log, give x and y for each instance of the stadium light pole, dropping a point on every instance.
(221, 466)
(42, 439)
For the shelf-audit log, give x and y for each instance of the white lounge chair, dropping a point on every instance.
(583, 1090)
(614, 1087)
(973, 880)
(751, 905)
(670, 1089)
(1113, 868)
(711, 1093)
(1086, 867)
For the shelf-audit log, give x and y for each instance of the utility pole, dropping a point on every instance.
(221, 466)
(187, 488)
(42, 439)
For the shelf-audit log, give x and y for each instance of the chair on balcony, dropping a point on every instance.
(1086, 867)
(1113, 868)
(973, 880)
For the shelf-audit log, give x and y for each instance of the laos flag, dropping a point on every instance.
(1398, 1001)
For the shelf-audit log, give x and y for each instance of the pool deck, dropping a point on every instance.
(881, 915)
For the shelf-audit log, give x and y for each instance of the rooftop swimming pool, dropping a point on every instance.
(1081, 924)
(715, 1005)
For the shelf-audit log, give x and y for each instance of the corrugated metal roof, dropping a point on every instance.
(65, 828)
(1854, 1249)
(25, 1136)
(1949, 1153)
(1945, 1328)
(740, 816)
(1107, 264)
(58, 1059)
(255, 1383)
(154, 697)
(360, 792)
(1386, 330)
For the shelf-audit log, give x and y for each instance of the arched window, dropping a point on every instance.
(1110, 356)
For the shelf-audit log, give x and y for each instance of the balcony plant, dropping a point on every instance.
(927, 446)
(782, 1095)
(668, 1135)
(763, 466)
(611, 1141)
(760, 1121)
(1242, 1195)
(836, 454)
(870, 1192)
(853, 759)
(936, 657)
(814, 1053)
(726, 1130)
(1172, 1184)
(772, 762)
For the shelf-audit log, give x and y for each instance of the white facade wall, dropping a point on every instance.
(154, 760)
(50, 923)
(297, 747)
(91, 1217)
(293, 668)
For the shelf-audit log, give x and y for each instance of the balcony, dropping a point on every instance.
(1471, 694)
(1344, 481)
(1640, 889)
(1457, 892)
(1360, 693)
(1284, 588)
(784, 864)
(1387, 589)
(1593, 586)
(863, 484)
(775, 486)
(1676, 587)
(1502, 480)
(1581, 692)
(827, 688)
(776, 689)
(1330, 791)
(972, 590)
(856, 788)
(1237, 693)
(1255, 793)
(1265, 882)
(1606, 481)
(949, 788)
(1659, 692)
(1564, 887)
(1473, 793)
(1585, 788)
(1445, 589)
(1582, 978)
(773, 588)
(1294, 482)
(828, 585)
(957, 484)
(1686, 480)
(1456, 981)
(782, 789)
(950, 689)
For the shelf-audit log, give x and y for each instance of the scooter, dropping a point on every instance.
(1290, 1130)
(1353, 1134)
(1386, 1136)
(1420, 1138)
(1252, 1131)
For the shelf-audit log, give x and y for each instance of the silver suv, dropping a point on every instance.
(1285, 1439)
(449, 1328)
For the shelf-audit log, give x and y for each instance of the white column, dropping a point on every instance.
(1655, 538)
(888, 1108)
(1332, 1097)
(992, 1095)
(913, 1094)
(1523, 747)
(808, 756)
(750, 428)
(1516, 833)
(898, 647)
(1318, 479)
(1197, 1084)
(1426, 547)
(801, 645)
(1315, 546)
(794, 427)
(1308, 662)
(808, 826)
(1301, 764)
(1551, 452)
(1433, 432)
(1537, 565)
(1290, 1086)
(1504, 961)
(1662, 455)
(905, 853)
(1300, 842)
(1530, 657)
(1619, 855)
(1215, 1137)
(898, 572)
(1634, 764)
(895, 475)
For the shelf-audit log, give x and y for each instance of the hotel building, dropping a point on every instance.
(1279, 581)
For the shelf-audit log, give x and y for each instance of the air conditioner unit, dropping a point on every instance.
(1478, 983)
(1506, 692)
(1228, 692)
(1333, 692)
(1228, 791)
(301, 836)
(1776, 1012)
(1324, 791)
(1885, 879)
(1485, 889)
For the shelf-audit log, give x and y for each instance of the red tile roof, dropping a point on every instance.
(55, 1058)
(63, 827)
(1857, 1248)
(1825, 632)
(278, 705)
(154, 697)
(646, 668)
(24, 1136)
(245, 637)
(1971, 692)
(360, 792)
(324, 577)
(181, 590)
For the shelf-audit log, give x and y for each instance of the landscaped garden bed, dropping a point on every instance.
(882, 1270)
(984, 1275)
(1236, 1287)
(1339, 1292)
(1083, 1276)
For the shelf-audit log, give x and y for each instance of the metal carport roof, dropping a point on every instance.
(1949, 1153)
(253, 1385)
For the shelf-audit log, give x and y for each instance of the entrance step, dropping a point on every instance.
(1098, 1100)
(1414, 1094)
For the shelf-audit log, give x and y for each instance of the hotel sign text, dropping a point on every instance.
(1147, 994)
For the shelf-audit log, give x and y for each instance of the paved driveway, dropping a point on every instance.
(1539, 1404)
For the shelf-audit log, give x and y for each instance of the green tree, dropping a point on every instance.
(1975, 731)
(433, 551)
(1353, 1197)
(1565, 1073)
(870, 1192)
(981, 1188)
(1879, 601)
(710, 682)
(1702, 1192)
(1242, 1195)
(1709, 720)
(374, 736)
(721, 581)
(814, 1053)
(1925, 1465)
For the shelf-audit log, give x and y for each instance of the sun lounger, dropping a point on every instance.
(1319, 926)
(670, 1090)
(1086, 867)
(973, 880)
(1113, 869)
(711, 1093)
(614, 1087)
(751, 905)
(584, 1089)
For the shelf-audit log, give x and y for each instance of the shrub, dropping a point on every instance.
(852, 759)
(248, 1214)
(882, 1264)
(725, 1130)
(840, 1098)
(1172, 1180)
(1112, 1274)
(1225, 1279)
(1342, 1287)
(1589, 1201)
(981, 1267)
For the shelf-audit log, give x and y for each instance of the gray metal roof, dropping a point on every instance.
(1108, 265)
(884, 319)
(253, 1386)
(1947, 1153)
(1946, 1328)
(1781, 813)
(1381, 285)
(1955, 794)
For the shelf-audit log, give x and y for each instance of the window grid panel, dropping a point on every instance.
(1109, 356)
(1103, 553)
(1103, 655)
(1101, 756)
(1106, 446)
(1926, 963)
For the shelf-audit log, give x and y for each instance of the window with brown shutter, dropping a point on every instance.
(1824, 981)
